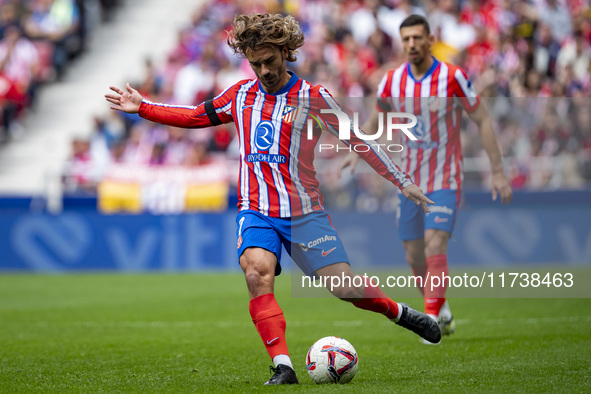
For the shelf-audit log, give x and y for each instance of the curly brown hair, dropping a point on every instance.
(256, 30)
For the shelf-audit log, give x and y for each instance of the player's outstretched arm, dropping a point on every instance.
(500, 185)
(415, 194)
(126, 101)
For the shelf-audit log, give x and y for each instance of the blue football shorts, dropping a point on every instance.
(413, 221)
(311, 240)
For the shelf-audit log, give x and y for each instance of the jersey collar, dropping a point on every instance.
(429, 72)
(290, 84)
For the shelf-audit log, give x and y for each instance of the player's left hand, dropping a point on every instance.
(500, 186)
(413, 193)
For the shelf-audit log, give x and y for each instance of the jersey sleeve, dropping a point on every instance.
(209, 113)
(384, 94)
(465, 92)
(373, 153)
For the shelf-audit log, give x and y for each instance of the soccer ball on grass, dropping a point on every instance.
(332, 360)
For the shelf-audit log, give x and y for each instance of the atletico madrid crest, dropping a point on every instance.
(289, 113)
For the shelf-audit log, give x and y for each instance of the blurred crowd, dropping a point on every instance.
(525, 57)
(38, 38)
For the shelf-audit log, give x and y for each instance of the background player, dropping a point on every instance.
(278, 193)
(436, 92)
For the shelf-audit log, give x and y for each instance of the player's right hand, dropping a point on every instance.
(126, 101)
(349, 161)
(502, 187)
(413, 193)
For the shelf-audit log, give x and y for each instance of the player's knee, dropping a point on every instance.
(256, 269)
(254, 279)
(436, 245)
(415, 252)
(258, 278)
(415, 258)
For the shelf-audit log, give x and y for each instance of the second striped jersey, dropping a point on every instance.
(434, 161)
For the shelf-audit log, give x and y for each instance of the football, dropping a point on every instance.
(332, 360)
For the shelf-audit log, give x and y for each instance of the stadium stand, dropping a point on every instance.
(113, 38)
(524, 57)
(38, 38)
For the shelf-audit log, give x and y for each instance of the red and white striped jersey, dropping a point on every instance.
(277, 176)
(434, 161)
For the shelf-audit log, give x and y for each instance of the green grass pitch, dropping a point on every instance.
(192, 333)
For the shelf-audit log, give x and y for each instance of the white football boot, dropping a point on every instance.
(445, 320)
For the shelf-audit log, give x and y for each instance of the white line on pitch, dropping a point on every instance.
(294, 323)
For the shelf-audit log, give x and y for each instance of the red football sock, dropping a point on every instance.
(375, 300)
(434, 298)
(268, 318)
(420, 271)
